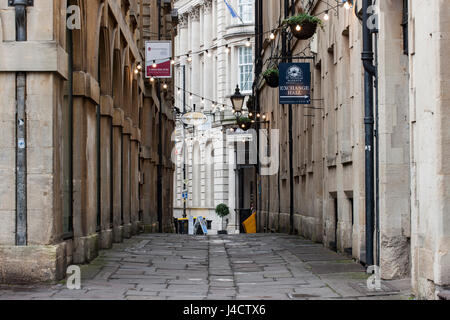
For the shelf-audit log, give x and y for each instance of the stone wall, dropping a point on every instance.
(328, 136)
(430, 146)
(95, 170)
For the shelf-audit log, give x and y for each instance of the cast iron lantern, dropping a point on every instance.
(237, 100)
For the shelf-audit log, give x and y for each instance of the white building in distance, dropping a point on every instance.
(214, 53)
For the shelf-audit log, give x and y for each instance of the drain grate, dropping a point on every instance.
(301, 296)
(385, 289)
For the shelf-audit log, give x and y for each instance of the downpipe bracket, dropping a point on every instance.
(25, 3)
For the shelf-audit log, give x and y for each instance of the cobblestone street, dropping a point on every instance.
(243, 267)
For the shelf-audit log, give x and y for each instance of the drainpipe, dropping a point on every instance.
(369, 74)
(256, 106)
(21, 129)
(287, 52)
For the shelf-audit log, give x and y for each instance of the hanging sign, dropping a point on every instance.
(194, 119)
(157, 59)
(295, 83)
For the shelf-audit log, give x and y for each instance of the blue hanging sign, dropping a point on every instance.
(295, 83)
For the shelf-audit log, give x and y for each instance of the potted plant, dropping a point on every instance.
(272, 77)
(303, 26)
(222, 211)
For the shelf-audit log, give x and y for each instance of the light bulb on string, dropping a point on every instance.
(191, 97)
(326, 17)
(227, 49)
(298, 27)
(248, 43)
(189, 59)
(172, 61)
(165, 86)
(272, 36)
(154, 64)
(347, 5)
(139, 67)
(152, 79)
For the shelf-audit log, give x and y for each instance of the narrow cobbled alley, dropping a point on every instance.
(244, 267)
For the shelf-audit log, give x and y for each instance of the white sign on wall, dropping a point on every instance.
(158, 59)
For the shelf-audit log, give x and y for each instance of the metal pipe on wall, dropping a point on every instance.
(21, 128)
(369, 74)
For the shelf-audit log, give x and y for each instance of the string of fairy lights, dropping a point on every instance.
(272, 34)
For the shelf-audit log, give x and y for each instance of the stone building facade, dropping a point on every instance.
(211, 71)
(412, 237)
(90, 124)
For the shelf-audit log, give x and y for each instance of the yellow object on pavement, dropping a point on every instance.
(250, 224)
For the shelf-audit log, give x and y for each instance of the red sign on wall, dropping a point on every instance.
(158, 59)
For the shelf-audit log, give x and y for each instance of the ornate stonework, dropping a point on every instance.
(183, 20)
(207, 5)
(194, 13)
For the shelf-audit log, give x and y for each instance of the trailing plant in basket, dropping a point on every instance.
(272, 77)
(243, 120)
(271, 72)
(303, 26)
(222, 210)
(301, 19)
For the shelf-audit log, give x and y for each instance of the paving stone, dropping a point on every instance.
(326, 268)
(231, 267)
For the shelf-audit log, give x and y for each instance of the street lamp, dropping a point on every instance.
(237, 100)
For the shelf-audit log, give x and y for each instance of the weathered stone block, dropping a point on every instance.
(32, 263)
(86, 249)
(7, 227)
(118, 234)
(106, 239)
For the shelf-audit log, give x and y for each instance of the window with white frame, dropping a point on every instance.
(245, 69)
(246, 10)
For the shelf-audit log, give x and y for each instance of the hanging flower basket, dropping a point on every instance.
(272, 77)
(243, 120)
(303, 26)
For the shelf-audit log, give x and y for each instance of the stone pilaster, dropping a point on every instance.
(118, 123)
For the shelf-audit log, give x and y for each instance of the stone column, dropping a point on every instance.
(134, 177)
(86, 98)
(208, 70)
(233, 225)
(118, 122)
(126, 178)
(106, 110)
(195, 46)
(145, 160)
